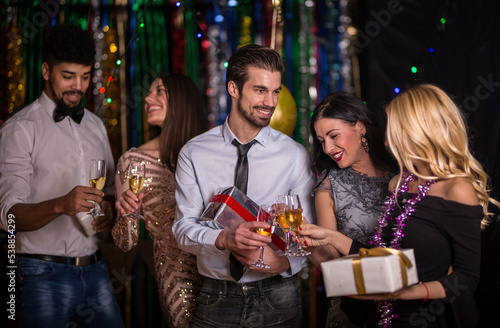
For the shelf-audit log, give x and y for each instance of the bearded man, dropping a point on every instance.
(45, 154)
(234, 293)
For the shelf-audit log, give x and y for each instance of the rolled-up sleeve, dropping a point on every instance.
(16, 167)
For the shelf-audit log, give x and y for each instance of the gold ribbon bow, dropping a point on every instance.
(404, 262)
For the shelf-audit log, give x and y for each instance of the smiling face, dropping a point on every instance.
(156, 103)
(66, 83)
(341, 141)
(258, 98)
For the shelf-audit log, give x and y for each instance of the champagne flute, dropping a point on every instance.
(280, 214)
(97, 179)
(136, 176)
(293, 216)
(265, 214)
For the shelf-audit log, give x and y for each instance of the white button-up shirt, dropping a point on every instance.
(206, 164)
(42, 160)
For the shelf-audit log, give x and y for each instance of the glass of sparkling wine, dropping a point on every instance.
(97, 179)
(293, 216)
(136, 177)
(280, 214)
(265, 214)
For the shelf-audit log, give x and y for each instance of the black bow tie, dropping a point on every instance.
(76, 114)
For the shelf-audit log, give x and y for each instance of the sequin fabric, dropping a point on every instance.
(358, 201)
(176, 272)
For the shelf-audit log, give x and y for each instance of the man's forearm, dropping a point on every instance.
(31, 217)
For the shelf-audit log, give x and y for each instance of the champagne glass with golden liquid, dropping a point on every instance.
(265, 214)
(136, 176)
(293, 216)
(97, 179)
(280, 215)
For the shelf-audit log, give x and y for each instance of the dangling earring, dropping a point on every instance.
(364, 143)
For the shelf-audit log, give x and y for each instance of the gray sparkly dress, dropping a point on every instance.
(176, 271)
(358, 201)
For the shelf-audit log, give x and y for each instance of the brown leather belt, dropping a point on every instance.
(77, 261)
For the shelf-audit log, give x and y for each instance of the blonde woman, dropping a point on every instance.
(445, 189)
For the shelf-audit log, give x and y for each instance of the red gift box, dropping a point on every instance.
(231, 207)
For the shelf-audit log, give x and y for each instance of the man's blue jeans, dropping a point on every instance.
(272, 302)
(55, 295)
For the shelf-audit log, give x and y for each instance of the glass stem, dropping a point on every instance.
(261, 257)
(287, 249)
(299, 247)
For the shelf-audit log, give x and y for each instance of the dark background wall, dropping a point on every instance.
(465, 60)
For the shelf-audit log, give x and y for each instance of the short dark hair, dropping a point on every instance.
(252, 55)
(350, 109)
(69, 43)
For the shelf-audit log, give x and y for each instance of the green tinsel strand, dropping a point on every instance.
(191, 52)
(296, 48)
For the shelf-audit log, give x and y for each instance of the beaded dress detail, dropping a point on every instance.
(176, 271)
(358, 201)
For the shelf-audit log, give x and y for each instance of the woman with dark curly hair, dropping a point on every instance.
(437, 206)
(354, 170)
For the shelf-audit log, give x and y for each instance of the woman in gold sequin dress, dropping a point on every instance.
(174, 104)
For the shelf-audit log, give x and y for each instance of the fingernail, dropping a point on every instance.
(305, 243)
(300, 228)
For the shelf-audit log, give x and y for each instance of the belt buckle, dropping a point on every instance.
(82, 261)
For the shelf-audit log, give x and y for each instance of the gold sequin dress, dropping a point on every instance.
(176, 272)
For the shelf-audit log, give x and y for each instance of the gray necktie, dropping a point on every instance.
(240, 182)
(241, 175)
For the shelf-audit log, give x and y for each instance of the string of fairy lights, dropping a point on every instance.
(441, 24)
(101, 88)
(215, 44)
(196, 38)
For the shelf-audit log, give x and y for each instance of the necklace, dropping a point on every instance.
(386, 306)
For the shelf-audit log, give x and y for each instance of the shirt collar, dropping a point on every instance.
(228, 135)
(47, 104)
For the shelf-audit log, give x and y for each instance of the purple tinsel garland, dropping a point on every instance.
(386, 306)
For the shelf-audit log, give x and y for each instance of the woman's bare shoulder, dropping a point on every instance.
(394, 181)
(459, 190)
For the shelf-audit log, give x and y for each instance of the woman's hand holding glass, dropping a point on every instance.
(128, 202)
(314, 235)
(132, 198)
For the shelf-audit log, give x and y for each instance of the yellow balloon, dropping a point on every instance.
(285, 114)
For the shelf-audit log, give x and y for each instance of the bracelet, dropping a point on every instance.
(427, 289)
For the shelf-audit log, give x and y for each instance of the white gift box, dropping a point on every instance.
(86, 220)
(371, 272)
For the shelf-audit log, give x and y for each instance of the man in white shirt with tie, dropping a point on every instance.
(276, 165)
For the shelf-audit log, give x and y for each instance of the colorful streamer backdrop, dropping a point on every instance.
(135, 39)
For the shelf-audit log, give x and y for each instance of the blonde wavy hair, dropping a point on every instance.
(424, 124)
